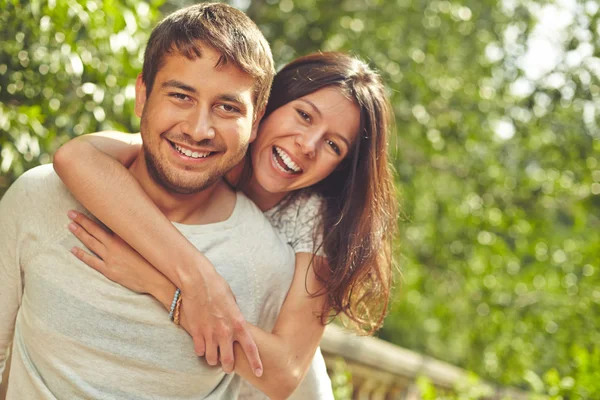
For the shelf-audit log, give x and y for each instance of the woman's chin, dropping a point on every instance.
(275, 188)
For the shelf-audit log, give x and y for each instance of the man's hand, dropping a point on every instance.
(216, 322)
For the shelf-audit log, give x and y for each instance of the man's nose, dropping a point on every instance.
(200, 126)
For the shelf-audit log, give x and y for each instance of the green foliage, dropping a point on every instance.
(498, 167)
(66, 68)
(583, 381)
(500, 187)
(472, 389)
(341, 380)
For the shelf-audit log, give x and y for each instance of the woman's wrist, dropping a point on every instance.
(163, 291)
(194, 272)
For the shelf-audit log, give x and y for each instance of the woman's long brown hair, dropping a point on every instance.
(360, 211)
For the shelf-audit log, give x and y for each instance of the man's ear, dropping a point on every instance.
(256, 124)
(140, 96)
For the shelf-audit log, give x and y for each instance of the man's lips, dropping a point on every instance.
(191, 152)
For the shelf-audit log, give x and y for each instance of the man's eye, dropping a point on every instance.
(303, 115)
(334, 146)
(229, 108)
(179, 96)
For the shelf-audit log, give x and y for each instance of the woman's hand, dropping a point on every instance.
(120, 263)
(114, 258)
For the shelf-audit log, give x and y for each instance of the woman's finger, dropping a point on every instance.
(199, 346)
(89, 259)
(90, 226)
(226, 356)
(249, 346)
(88, 240)
(212, 355)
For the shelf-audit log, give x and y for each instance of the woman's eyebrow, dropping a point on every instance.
(312, 105)
(342, 138)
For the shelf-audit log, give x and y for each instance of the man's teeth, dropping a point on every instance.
(287, 160)
(189, 153)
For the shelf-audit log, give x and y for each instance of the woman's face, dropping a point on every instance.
(303, 141)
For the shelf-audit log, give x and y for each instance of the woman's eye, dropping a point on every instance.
(304, 115)
(334, 146)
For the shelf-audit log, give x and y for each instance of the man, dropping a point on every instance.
(204, 84)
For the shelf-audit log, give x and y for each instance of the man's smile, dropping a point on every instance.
(190, 153)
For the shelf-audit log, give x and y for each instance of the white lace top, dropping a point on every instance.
(299, 221)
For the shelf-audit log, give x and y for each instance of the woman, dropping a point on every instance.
(320, 155)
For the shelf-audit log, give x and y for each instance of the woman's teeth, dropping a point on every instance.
(287, 160)
(189, 153)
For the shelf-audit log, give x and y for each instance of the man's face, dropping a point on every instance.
(197, 122)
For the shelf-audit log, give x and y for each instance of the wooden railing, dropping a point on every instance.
(383, 371)
(4, 380)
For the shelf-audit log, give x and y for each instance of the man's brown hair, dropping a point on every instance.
(222, 27)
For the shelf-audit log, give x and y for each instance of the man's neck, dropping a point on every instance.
(213, 204)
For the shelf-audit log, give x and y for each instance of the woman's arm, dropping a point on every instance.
(122, 147)
(286, 352)
(91, 167)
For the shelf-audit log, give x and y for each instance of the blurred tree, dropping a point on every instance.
(497, 150)
(66, 68)
(498, 168)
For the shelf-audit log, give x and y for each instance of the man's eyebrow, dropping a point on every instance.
(179, 85)
(238, 100)
(232, 97)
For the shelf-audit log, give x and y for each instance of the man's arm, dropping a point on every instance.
(11, 285)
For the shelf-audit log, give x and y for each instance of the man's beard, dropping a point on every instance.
(172, 184)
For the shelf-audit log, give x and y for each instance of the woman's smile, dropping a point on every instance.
(303, 141)
(284, 162)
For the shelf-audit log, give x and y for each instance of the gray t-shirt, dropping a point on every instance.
(299, 223)
(78, 335)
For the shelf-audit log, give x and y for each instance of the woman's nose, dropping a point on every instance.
(308, 143)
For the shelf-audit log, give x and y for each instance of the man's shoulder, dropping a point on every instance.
(38, 193)
(37, 180)
(255, 225)
(246, 205)
(252, 218)
(36, 174)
